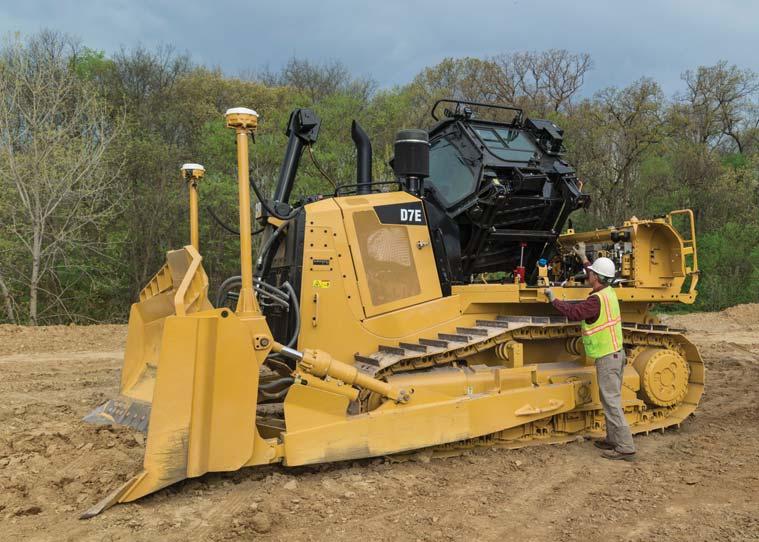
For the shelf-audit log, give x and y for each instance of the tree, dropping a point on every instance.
(459, 78)
(541, 82)
(55, 134)
(611, 136)
(319, 80)
(718, 104)
(729, 260)
(80, 130)
(154, 143)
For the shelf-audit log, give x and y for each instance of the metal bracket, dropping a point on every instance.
(261, 342)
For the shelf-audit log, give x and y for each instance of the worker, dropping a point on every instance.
(602, 338)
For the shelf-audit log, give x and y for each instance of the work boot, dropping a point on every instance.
(619, 456)
(603, 444)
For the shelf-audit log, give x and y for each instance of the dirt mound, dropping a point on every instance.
(744, 314)
(733, 319)
(27, 339)
(697, 483)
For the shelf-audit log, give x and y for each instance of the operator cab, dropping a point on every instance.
(500, 185)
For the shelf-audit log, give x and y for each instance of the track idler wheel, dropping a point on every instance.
(663, 374)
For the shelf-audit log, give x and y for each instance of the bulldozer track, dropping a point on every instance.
(457, 345)
(462, 342)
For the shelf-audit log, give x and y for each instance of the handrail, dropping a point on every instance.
(692, 224)
(519, 116)
(688, 243)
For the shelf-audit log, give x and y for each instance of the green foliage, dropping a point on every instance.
(735, 160)
(729, 260)
(89, 64)
(638, 153)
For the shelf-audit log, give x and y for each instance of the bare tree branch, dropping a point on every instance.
(55, 131)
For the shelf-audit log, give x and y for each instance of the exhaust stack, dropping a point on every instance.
(363, 159)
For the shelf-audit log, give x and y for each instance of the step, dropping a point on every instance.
(413, 347)
(366, 359)
(434, 342)
(492, 323)
(527, 319)
(392, 350)
(454, 337)
(472, 331)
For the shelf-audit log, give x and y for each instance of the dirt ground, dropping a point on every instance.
(700, 482)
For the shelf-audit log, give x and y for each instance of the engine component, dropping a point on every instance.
(411, 162)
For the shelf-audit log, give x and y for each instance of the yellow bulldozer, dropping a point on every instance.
(392, 316)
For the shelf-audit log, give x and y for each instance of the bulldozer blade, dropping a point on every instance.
(179, 288)
(204, 404)
(121, 410)
(112, 498)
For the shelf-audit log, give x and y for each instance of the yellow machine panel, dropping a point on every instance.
(394, 261)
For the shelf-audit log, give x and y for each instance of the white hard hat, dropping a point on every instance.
(603, 267)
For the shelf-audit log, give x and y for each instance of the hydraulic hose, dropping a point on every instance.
(296, 312)
(266, 256)
(278, 366)
(225, 287)
(275, 386)
(266, 397)
(226, 226)
(265, 202)
(268, 289)
(263, 288)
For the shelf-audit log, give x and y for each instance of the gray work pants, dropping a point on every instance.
(609, 370)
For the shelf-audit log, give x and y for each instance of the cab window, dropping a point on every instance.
(507, 144)
(449, 174)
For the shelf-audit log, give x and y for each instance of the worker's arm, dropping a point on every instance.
(579, 250)
(589, 309)
(580, 310)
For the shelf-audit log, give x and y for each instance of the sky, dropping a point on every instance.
(391, 41)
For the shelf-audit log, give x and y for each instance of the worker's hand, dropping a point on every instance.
(579, 250)
(549, 294)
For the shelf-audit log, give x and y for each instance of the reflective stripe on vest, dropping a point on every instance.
(604, 336)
